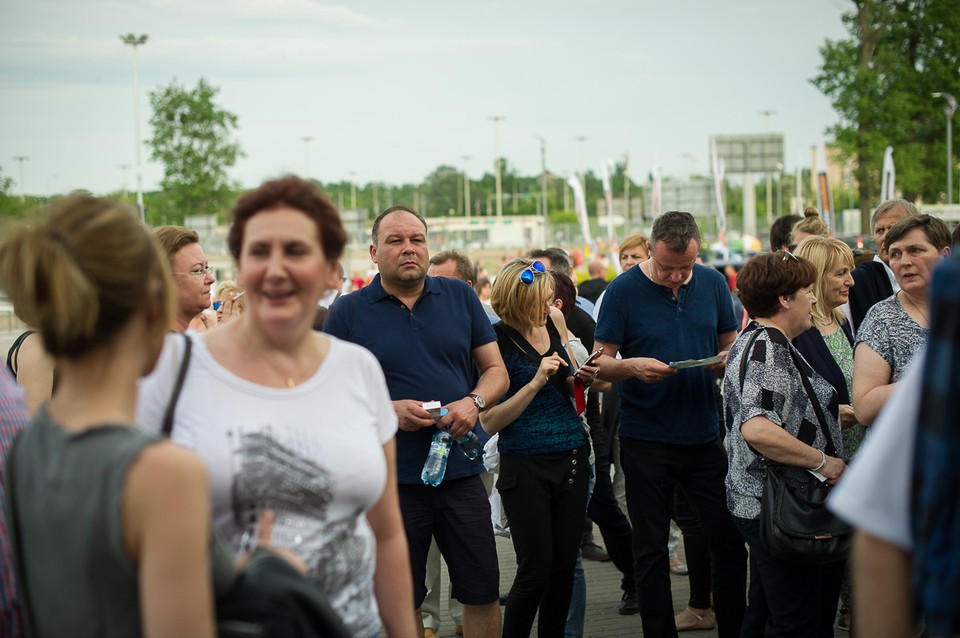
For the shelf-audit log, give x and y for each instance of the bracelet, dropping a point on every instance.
(823, 461)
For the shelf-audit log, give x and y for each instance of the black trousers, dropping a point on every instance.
(652, 471)
(545, 497)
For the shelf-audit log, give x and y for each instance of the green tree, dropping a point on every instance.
(192, 138)
(879, 80)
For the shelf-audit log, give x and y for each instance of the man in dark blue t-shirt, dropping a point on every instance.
(670, 309)
(432, 339)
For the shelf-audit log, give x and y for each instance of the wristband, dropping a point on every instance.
(823, 461)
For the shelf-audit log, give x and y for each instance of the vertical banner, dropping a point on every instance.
(718, 174)
(887, 181)
(799, 179)
(824, 196)
(657, 192)
(608, 198)
(580, 205)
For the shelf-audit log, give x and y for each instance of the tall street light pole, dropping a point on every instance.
(21, 159)
(353, 190)
(948, 110)
(766, 113)
(466, 186)
(306, 154)
(496, 159)
(136, 41)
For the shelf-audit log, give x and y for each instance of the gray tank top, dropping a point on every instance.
(69, 492)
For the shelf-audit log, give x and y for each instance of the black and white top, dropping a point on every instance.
(772, 388)
(892, 334)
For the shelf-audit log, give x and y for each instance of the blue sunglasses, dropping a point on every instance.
(529, 274)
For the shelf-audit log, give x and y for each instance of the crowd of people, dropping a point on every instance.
(157, 431)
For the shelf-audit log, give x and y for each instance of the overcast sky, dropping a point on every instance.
(392, 89)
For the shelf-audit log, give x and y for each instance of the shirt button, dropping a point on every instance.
(574, 461)
(573, 472)
(575, 452)
(570, 481)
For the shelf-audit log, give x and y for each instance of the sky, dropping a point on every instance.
(391, 90)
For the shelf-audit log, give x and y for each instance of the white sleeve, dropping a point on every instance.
(874, 493)
(385, 415)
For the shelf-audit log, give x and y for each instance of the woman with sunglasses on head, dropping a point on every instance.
(544, 452)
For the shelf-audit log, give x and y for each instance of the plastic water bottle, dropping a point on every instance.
(471, 446)
(436, 464)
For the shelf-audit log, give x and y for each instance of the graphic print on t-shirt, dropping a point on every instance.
(274, 469)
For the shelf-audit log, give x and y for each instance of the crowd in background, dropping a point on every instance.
(167, 429)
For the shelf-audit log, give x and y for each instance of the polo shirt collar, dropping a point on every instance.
(377, 292)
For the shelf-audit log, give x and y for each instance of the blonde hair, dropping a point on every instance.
(228, 285)
(825, 254)
(81, 271)
(635, 241)
(519, 305)
(811, 224)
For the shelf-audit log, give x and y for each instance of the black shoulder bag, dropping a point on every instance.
(269, 598)
(795, 523)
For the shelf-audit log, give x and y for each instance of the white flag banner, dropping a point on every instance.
(657, 193)
(580, 205)
(608, 198)
(799, 179)
(718, 175)
(889, 178)
(824, 196)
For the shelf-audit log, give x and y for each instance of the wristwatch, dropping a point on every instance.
(478, 401)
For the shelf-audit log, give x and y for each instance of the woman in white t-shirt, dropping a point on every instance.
(292, 420)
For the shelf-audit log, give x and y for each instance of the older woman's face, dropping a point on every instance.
(799, 315)
(192, 280)
(282, 267)
(630, 257)
(912, 260)
(837, 282)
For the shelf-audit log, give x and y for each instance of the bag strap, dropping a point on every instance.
(26, 612)
(13, 354)
(167, 428)
(821, 419)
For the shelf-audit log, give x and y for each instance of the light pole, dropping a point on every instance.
(21, 159)
(466, 186)
(136, 41)
(948, 110)
(543, 177)
(766, 113)
(306, 154)
(353, 190)
(496, 159)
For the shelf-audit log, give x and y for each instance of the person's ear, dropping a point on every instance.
(373, 253)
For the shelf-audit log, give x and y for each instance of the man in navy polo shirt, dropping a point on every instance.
(432, 339)
(670, 309)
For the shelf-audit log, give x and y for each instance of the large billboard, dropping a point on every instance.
(755, 153)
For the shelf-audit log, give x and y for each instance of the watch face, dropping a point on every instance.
(479, 401)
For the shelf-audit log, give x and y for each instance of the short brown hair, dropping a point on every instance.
(394, 209)
(519, 305)
(676, 229)
(172, 238)
(933, 227)
(767, 277)
(298, 194)
(565, 291)
(466, 269)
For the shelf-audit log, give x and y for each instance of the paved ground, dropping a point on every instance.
(603, 597)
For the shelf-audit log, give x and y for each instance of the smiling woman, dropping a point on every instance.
(303, 424)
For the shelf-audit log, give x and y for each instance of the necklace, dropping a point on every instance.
(917, 308)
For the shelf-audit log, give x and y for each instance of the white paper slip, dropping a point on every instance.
(696, 363)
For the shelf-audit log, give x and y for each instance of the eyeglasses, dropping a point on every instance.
(529, 274)
(198, 272)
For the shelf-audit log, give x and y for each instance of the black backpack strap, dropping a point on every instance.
(167, 428)
(13, 524)
(14, 352)
(746, 354)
